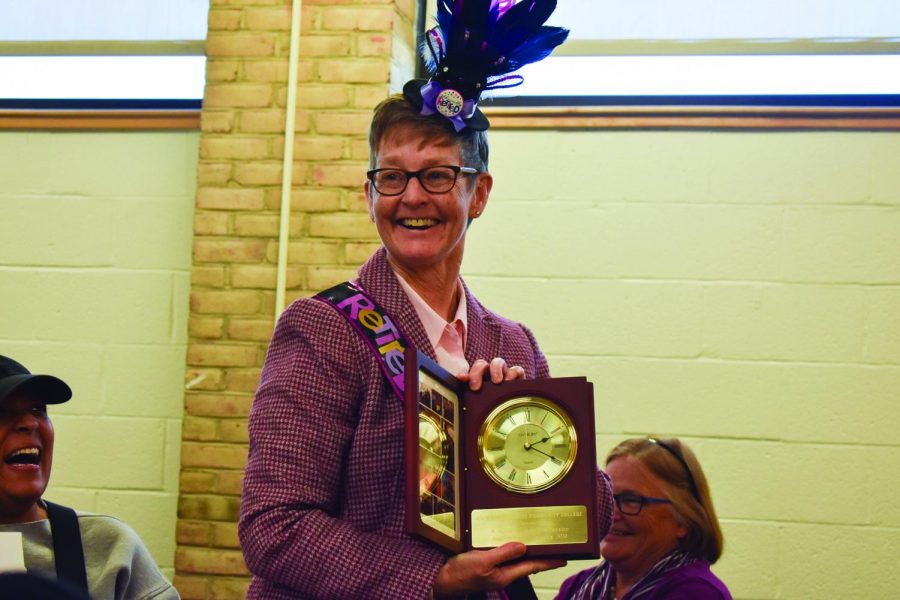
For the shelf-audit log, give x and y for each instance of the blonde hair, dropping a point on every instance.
(677, 467)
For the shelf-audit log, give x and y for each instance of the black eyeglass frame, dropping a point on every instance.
(637, 497)
(457, 170)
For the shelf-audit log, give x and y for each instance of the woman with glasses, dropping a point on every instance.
(664, 535)
(322, 512)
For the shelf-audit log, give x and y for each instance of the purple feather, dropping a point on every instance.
(536, 48)
(498, 7)
(477, 41)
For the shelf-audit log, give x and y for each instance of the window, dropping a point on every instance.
(102, 54)
(766, 57)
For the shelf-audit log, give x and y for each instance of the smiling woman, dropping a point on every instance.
(423, 223)
(26, 440)
(96, 554)
(327, 420)
(664, 535)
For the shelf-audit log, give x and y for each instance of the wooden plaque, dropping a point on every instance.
(511, 462)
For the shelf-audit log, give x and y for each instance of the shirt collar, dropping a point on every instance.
(432, 322)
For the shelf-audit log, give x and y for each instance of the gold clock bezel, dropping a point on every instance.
(498, 415)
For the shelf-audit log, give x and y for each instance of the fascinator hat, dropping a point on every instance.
(476, 47)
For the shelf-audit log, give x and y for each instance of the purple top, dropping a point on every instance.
(692, 581)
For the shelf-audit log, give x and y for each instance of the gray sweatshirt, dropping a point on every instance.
(118, 564)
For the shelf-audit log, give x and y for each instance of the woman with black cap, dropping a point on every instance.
(96, 554)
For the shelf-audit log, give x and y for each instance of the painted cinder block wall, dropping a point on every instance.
(680, 321)
(740, 290)
(94, 272)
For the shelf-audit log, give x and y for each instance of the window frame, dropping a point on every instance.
(100, 114)
(746, 111)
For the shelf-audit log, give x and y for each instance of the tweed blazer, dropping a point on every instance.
(322, 512)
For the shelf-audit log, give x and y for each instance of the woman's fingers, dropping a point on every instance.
(497, 370)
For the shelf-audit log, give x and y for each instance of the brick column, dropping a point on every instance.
(353, 53)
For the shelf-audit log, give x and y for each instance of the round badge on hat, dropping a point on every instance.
(449, 103)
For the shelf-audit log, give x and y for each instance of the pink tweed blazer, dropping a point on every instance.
(322, 512)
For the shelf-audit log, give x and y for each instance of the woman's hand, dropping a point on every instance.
(499, 372)
(483, 570)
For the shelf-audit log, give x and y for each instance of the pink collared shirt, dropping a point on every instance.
(447, 339)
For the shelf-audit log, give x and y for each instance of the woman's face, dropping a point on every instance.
(26, 450)
(637, 542)
(421, 229)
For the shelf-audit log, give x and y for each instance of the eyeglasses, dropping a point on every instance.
(631, 504)
(437, 180)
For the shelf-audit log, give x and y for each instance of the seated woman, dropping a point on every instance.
(664, 535)
(96, 554)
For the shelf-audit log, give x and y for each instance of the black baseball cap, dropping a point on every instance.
(46, 388)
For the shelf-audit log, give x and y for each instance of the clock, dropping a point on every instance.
(527, 444)
(514, 461)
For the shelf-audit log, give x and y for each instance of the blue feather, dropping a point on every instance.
(519, 23)
(535, 49)
(444, 17)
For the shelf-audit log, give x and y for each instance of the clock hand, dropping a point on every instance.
(530, 445)
(537, 450)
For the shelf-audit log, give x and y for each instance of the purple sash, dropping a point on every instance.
(373, 324)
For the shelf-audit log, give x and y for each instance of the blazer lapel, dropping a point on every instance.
(484, 337)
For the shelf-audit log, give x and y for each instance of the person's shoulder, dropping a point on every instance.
(313, 317)
(573, 583)
(483, 312)
(119, 548)
(313, 338)
(300, 309)
(516, 334)
(694, 582)
(113, 535)
(107, 527)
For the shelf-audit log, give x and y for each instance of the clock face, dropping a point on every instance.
(527, 444)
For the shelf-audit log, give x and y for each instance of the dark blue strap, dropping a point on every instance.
(67, 549)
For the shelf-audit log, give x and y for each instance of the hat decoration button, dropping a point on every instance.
(449, 103)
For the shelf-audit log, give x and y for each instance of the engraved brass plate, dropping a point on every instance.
(533, 526)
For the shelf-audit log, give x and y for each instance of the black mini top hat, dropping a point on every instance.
(46, 388)
(476, 47)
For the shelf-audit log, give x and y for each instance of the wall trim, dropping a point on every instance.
(692, 117)
(606, 117)
(99, 119)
